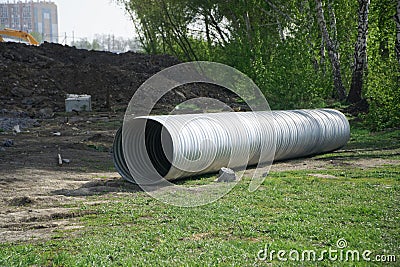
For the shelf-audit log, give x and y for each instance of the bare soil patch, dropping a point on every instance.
(35, 190)
(36, 193)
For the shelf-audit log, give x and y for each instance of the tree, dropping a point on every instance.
(282, 46)
(383, 81)
(397, 19)
(37, 36)
(360, 54)
(82, 44)
(96, 45)
(332, 52)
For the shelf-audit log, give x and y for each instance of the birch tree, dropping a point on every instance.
(360, 53)
(397, 19)
(332, 52)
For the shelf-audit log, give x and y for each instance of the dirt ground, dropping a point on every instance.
(34, 81)
(36, 193)
(35, 190)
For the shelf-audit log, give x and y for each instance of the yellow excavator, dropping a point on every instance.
(19, 34)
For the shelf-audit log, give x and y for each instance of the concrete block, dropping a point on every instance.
(78, 103)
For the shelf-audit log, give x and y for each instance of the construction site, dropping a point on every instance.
(62, 188)
(35, 81)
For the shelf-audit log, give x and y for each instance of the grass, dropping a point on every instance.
(291, 211)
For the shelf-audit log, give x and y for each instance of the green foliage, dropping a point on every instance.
(383, 91)
(295, 84)
(38, 36)
(107, 42)
(279, 45)
(384, 95)
(82, 44)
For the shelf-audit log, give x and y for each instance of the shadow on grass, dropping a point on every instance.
(100, 187)
(373, 145)
(358, 156)
(369, 141)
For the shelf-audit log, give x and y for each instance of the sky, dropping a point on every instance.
(85, 18)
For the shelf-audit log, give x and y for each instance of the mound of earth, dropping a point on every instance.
(36, 79)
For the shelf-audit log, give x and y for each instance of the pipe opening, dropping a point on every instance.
(149, 151)
(118, 157)
(158, 143)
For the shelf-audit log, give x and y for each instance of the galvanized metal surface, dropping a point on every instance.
(178, 146)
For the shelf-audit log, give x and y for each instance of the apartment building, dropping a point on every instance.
(31, 16)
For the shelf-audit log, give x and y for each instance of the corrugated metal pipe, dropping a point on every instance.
(175, 146)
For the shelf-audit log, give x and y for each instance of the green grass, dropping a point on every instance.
(364, 145)
(291, 211)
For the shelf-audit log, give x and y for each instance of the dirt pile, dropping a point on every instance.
(36, 79)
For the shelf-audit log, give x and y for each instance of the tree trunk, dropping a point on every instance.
(332, 52)
(209, 42)
(397, 19)
(215, 24)
(322, 53)
(151, 42)
(246, 18)
(279, 11)
(333, 27)
(181, 39)
(305, 8)
(280, 30)
(360, 54)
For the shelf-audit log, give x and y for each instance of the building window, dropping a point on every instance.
(4, 22)
(26, 12)
(16, 23)
(3, 12)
